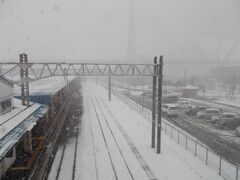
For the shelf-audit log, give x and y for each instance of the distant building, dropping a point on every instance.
(6, 95)
(189, 91)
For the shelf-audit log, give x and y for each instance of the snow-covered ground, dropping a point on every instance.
(223, 97)
(114, 143)
(229, 103)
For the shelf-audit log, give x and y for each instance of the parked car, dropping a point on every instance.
(227, 121)
(170, 109)
(225, 116)
(229, 124)
(208, 113)
(193, 111)
(184, 104)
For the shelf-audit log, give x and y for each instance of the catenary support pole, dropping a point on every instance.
(159, 128)
(109, 85)
(24, 79)
(154, 103)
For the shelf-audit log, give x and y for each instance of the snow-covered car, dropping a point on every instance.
(195, 109)
(226, 120)
(225, 116)
(170, 109)
(208, 113)
(227, 124)
(184, 104)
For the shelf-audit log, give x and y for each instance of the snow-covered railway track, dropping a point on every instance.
(68, 155)
(115, 139)
(113, 136)
(61, 160)
(60, 165)
(92, 142)
(220, 145)
(140, 159)
(40, 168)
(105, 140)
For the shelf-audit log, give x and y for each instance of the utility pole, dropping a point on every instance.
(109, 84)
(159, 122)
(154, 102)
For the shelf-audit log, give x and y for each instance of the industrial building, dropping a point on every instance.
(189, 91)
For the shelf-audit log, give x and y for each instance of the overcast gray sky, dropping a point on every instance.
(56, 30)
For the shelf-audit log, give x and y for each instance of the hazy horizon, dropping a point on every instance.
(93, 31)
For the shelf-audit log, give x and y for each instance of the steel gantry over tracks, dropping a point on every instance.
(43, 70)
(30, 72)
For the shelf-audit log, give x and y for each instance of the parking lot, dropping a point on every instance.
(224, 142)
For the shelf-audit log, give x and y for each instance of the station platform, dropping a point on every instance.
(114, 143)
(15, 123)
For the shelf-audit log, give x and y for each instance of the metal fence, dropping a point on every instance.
(224, 168)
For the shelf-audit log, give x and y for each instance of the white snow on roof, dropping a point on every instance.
(47, 86)
(171, 105)
(190, 87)
(228, 113)
(31, 125)
(10, 120)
